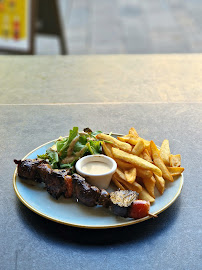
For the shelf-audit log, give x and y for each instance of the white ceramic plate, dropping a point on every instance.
(68, 212)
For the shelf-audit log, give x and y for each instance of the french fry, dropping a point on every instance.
(135, 186)
(141, 166)
(137, 161)
(107, 149)
(130, 175)
(174, 171)
(134, 141)
(125, 138)
(122, 145)
(160, 183)
(159, 162)
(144, 195)
(149, 184)
(165, 152)
(175, 160)
(144, 173)
(146, 155)
(120, 174)
(123, 165)
(127, 166)
(141, 155)
(138, 148)
(133, 132)
(117, 183)
(149, 151)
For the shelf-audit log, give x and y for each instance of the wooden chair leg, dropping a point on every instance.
(63, 46)
(48, 14)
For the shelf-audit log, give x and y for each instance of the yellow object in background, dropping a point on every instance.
(13, 19)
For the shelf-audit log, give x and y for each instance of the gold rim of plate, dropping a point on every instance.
(126, 223)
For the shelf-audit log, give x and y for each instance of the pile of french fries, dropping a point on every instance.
(141, 166)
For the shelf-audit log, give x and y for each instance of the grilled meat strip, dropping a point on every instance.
(57, 182)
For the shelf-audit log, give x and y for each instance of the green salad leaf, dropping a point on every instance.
(52, 156)
(80, 144)
(60, 143)
(94, 147)
(69, 165)
(67, 150)
(72, 134)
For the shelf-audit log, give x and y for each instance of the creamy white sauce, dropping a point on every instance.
(96, 167)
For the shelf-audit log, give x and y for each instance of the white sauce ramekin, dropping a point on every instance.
(98, 180)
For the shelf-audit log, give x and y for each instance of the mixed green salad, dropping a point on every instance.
(67, 150)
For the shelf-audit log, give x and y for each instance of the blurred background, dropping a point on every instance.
(101, 26)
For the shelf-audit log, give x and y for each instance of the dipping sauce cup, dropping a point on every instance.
(97, 169)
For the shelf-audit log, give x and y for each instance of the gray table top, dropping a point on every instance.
(43, 97)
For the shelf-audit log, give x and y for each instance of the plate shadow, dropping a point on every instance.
(56, 232)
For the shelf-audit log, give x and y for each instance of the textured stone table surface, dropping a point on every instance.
(41, 98)
(83, 79)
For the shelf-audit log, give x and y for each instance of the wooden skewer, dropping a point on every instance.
(152, 215)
